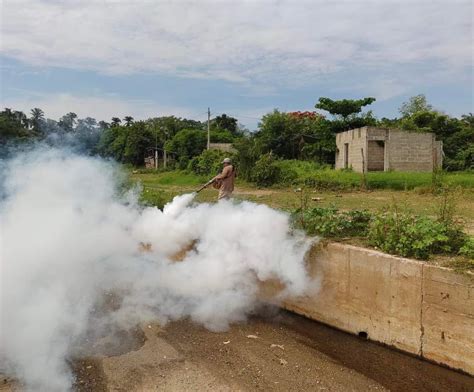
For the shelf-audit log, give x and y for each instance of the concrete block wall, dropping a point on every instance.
(403, 150)
(415, 307)
(225, 147)
(374, 133)
(410, 151)
(357, 140)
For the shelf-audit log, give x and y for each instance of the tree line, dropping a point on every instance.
(286, 135)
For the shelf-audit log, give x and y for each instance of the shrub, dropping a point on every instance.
(329, 222)
(265, 171)
(414, 236)
(400, 233)
(248, 153)
(468, 248)
(208, 163)
(183, 162)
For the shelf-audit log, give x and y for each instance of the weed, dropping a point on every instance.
(329, 222)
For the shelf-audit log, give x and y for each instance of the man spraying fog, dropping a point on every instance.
(225, 180)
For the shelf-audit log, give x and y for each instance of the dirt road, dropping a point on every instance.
(281, 352)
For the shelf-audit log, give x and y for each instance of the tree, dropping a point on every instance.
(115, 121)
(172, 125)
(128, 120)
(187, 143)
(415, 104)
(22, 118)
(344, 107)
(86, 136)
(276, 134)
(225, 122)
(37, 114)
(221, 136)
(248, 153)
(12, 127)
(166, 127)
(103, 125)
(138, 140)
(345, 113)
(106, 140)
(126, 144)
(468, 119)
(296, 136)
(37, 118)
(68, 121)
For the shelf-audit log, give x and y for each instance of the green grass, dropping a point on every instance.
(162, 187)
(311, 174)
(171, 178)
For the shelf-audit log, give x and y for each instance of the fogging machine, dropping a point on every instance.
(206, 185)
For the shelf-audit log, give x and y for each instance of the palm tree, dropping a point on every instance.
(68, 121)
(103, 125)
(8, 112)
(37, 116)
(21, 118)
(128, 120)
(468, 118)
(115, 121)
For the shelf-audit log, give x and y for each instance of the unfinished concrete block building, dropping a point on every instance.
(382, 149)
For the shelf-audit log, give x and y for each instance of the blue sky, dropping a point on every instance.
(104, 58)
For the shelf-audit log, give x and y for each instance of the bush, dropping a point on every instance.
(392, 232)
(248, 153)
(209, 163)
(183, 163)
(287, 176)
(329, 222)
(414, 236)
(265, 171)
(468, 248)
(291, 170)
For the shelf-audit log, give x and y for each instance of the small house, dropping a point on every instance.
(382, 149)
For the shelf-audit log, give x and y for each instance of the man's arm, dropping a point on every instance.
(225, 173)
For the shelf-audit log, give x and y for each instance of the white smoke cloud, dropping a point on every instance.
(69, 238)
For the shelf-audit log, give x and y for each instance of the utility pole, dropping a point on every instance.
(164, 149)
(156, 148)
(208, 128)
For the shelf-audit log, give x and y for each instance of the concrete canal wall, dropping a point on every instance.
(413, 306)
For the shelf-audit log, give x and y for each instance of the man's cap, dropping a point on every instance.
(226, 160)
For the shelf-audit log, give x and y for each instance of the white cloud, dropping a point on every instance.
(265, 42)
(100, 107)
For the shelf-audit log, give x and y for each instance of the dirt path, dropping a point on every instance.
(281, 353)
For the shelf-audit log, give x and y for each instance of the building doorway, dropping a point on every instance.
(375, 155)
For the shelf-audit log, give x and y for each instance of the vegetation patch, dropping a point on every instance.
(392, 231)
(414, 236)
(332, 223)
